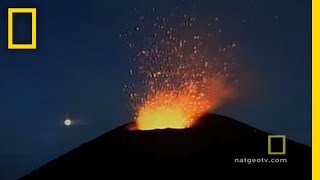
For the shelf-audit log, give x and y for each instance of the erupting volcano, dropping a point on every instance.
(183, 72)
(181, 75)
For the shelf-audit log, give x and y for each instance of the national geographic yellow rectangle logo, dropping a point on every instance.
(11, 12)
(270, 138)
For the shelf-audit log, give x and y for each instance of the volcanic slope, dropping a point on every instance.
(206, 151)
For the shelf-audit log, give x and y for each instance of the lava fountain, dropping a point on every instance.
(181, 73)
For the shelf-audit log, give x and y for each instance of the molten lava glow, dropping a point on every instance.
(163, 117)
(180, 108)
(170, 110)
(182, 73)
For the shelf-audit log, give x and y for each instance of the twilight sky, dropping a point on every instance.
(81, 66)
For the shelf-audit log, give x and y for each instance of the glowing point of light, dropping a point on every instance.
(67, 122)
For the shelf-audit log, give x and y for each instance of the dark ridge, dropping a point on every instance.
(205, 151)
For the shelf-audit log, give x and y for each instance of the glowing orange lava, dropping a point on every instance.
(182, 73)
(173, 109)
(180, 108)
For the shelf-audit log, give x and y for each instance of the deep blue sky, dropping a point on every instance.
(81, 66)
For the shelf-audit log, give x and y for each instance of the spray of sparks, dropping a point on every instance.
(182, 72)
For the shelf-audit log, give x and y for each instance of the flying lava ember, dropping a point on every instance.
(182, 72)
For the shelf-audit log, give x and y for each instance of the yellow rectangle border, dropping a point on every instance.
(283, 138)
(315, 90)
(33, 12)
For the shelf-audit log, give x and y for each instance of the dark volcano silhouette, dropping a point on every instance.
(206, 151)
